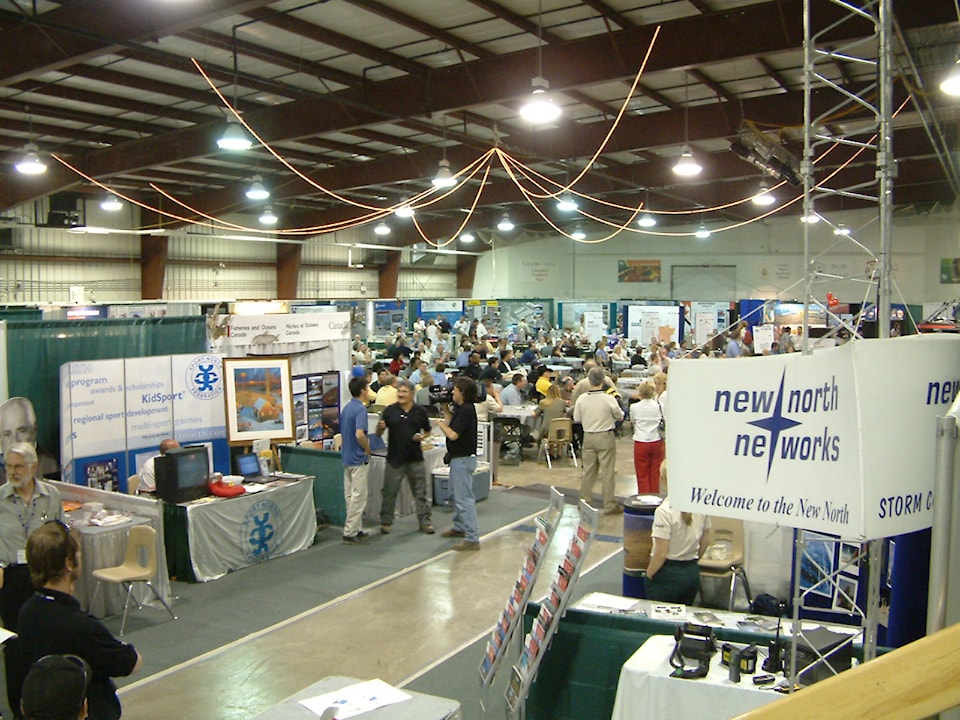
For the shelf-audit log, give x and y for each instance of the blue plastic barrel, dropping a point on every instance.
(638, 513)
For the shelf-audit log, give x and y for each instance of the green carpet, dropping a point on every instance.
(216, 613)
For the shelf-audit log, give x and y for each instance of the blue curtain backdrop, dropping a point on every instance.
(36, 350)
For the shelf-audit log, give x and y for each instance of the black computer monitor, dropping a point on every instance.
(182, 474)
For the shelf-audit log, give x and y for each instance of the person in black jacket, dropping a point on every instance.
(52, 622)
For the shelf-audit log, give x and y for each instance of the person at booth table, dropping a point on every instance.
(460, 429)
(491, 401)
(148, 473)
(679, 539)
(513, 393)
(26, 503)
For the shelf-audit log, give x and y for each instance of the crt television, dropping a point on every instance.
(182, 474)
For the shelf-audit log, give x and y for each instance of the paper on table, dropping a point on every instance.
(254, 487)
(356, 699)
(667, 611)
(605, 601)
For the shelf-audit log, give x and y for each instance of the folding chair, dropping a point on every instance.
(559, 438)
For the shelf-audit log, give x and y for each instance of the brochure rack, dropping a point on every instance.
(512, 614)
(551, 610)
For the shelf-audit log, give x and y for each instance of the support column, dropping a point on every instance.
(389, 275)
(288, 270)
(466, 271)
(153, 266)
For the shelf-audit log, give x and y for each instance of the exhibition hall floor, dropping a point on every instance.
(397, 626)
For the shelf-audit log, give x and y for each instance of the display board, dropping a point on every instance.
(316, 407)
(841, 441)
(114, 413)
(645, 322)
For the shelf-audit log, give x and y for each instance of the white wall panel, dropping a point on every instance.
(325, 283)
(414, 284)
(38, 281)
(211, 282)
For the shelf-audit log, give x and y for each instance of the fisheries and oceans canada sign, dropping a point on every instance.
(841, 441)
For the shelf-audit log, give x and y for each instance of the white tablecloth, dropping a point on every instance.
(232, 533)
(524, 412)
(103, 547)
(647, 692)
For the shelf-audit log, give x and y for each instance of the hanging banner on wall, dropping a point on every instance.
(824, 442)
(269, 329)
(114, 413)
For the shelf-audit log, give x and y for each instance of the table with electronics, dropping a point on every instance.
(420, 706)
(207, 538)
(647, 692)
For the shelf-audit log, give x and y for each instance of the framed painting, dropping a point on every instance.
(259, 399)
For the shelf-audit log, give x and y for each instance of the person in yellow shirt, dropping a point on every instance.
(544, 382)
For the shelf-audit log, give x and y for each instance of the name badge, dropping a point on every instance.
(21, 557)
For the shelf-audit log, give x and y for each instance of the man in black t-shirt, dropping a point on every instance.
(52, 623)
(408, 425)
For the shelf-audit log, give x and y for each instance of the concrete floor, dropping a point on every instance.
(394, 629)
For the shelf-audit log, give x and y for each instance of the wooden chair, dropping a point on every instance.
(559, 438)
(723, 558)
(141, 543)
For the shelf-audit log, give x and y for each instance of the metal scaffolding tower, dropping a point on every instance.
(847, 58)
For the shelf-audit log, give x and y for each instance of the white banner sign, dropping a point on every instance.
(269, 329)
(763, 337)
(594, 324)
(653, 321)
(705, 328)
(842, 441)
(454, 307)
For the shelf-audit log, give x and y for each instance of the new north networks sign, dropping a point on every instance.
(842, 441)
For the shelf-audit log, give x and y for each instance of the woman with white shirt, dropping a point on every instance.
(679, 539)
(648, 447)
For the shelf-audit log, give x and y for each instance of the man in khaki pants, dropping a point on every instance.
(599, 413)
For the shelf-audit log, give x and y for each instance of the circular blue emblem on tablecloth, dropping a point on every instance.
(261, 531)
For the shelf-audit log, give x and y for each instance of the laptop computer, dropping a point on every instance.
(248, 465)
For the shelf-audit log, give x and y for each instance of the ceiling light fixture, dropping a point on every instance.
(234, 137)
(30, 163)
(505, 224)
(566, 203)
(950, 85)
(811, 219)
(702, 233)
(381, 229)
(111, 204)
(467, 237)
(578, 234)
(764, 198)
(404, 211)
(686, 165)
(257, 191)
(444, 178)
(841, 229)
(540, 108)
(647, 221)
(268, 218)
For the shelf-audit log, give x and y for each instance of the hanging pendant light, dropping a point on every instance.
(268, 218)
(540, 108)
(950, 85)
(381, 229)
(30, 163)
(702, 233)
(234, 137)
(566, 203)
(647, 221)
(257, 190)
(467, 237)
(111, 204)
(444, 178)
(404, 211)
(686, 165)
(578, 234)
(505, 224)
(764, 198)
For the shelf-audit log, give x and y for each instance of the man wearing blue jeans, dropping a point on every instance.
(355, 452)
(460, 428)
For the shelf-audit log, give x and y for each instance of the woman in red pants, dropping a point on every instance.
(648, 448)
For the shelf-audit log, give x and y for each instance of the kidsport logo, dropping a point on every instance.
(204, 377)
(791, 427)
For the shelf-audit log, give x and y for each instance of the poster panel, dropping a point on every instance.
(149, 396)
(594, 325)
(198, 403)
(905, 384)
(781, 435)
(97, 406)
(841, 441)
(763, 339)
(646, 322)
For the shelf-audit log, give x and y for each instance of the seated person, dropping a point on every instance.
(148, 473)
(387, 394)
(490, 402)
(492, 370)
(550, 408)
(529, 355)
(513, 393)
(545, 381)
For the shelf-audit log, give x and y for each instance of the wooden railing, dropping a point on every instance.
(916, 681)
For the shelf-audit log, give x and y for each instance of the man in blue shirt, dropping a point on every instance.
(528, 356)
(355, 452)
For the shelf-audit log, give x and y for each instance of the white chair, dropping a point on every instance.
(142, 542)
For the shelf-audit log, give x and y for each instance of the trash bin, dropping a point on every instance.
(638, 513)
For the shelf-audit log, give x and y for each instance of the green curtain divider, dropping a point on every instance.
(36, 350)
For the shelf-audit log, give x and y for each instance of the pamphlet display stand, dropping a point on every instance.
(551, 610)
(510, 618)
